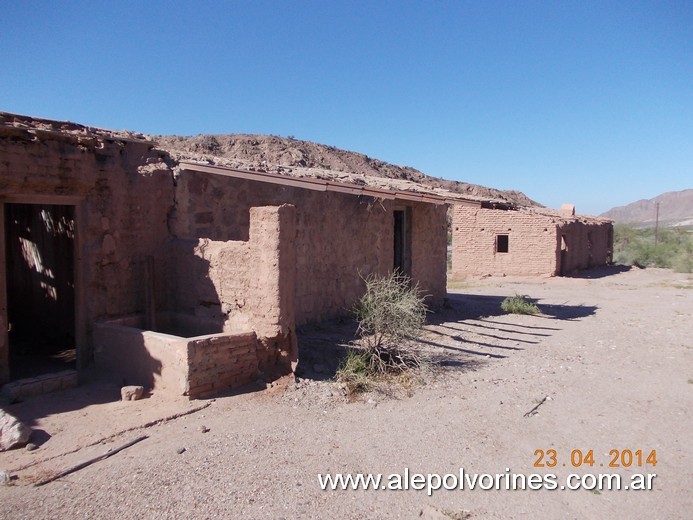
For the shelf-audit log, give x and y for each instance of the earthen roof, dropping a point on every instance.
(27, 127)
(32, 128)
(362, 185)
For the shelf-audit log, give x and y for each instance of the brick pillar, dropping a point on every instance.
(273, 251)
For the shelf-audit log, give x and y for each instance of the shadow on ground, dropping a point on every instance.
(321, 347)
(600, 272)
(470, 331)
(461, 307)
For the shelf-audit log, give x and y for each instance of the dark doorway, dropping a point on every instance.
(40, 252)
(402, 258)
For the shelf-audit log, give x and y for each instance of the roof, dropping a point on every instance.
(321, 184)
(556, 215)
(31, 128)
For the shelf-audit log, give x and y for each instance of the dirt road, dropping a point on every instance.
(614, 354)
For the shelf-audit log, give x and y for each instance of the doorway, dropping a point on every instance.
(402, 241)
(40, 282)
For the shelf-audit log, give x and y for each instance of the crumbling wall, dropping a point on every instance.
(339, 237)
(122, 191)
(174, 365)
(584, 244)
(531, 243)
(243, 285)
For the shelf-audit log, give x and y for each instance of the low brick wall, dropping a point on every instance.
(195, 367)
(39, 385)
(219, 363)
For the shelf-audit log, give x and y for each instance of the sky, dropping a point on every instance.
(567, 101)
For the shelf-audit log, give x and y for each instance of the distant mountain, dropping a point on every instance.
(675, 209)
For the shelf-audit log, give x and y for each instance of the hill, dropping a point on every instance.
(675, 210)
(267, 152)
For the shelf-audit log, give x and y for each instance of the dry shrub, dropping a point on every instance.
(391, 316)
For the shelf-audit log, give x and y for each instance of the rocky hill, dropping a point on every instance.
(675, 209)
(267, 152)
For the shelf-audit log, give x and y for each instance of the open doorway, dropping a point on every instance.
(402, 241)
(40, 281)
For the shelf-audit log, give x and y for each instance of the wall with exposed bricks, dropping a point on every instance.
(531, 239)
(538, 244)
(221, 362)
(230, 251)
(243, 285)
(340, 238)
(585, 244)
(121, 191)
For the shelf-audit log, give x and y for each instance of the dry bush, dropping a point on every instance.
(391, 316)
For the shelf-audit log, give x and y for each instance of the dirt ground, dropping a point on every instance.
(613, 351)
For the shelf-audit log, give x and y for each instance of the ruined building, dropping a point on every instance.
(190, 276)
(184, 277)
(499, 240)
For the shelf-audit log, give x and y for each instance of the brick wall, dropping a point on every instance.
(339, 237)
(532, 243)
(243, 285)
(221, 363)
(122, 192)
(587, 244)
(429, 251)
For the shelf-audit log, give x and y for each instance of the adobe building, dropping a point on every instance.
(181, 276)
(499, 240)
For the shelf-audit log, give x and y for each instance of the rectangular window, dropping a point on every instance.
(502, 244)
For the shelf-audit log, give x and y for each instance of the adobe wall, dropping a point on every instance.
(586, 244)
(429, 251)
(243, 285)
(531, 239)
(122, 192)
(216, 251)
(339, 237)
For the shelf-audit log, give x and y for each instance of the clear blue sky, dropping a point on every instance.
(588, 102)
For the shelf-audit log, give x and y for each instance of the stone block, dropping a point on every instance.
(131, 393)
(13, 432)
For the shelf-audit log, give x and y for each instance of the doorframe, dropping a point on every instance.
(78, 270)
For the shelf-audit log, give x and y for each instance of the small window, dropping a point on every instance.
(502, 243)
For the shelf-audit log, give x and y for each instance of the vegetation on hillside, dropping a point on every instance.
(674, 249)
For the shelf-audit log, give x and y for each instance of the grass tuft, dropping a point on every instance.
(519, 304)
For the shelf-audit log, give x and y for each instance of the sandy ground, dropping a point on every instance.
(614, 352)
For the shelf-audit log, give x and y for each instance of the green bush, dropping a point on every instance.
(674, 248)
(519, 305)
(354, 371)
